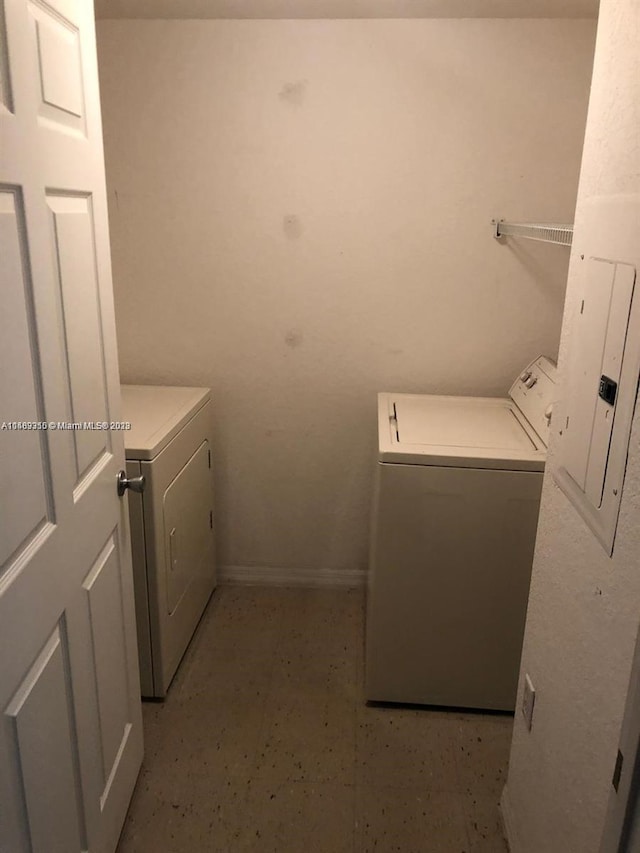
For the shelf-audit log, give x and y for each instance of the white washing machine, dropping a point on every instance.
(455, 512)
(172, 522)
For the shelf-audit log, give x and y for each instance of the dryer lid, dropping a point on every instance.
(157, 413)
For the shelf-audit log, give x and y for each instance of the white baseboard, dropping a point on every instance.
(508, 822)
(275, 576)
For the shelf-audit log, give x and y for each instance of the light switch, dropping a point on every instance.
(602, 366)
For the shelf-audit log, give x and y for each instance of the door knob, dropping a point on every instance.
(136, 484)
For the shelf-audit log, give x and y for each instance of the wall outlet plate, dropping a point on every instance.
(528, 701)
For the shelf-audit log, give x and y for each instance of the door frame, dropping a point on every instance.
(622, 821)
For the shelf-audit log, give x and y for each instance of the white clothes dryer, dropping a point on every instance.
(455, 512)
(172, 522)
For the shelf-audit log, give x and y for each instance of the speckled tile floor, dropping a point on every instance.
(265, 744)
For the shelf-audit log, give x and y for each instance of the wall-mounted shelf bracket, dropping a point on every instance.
(561, 235)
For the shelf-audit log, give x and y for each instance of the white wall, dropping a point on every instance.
(584, 607)
(300, 218)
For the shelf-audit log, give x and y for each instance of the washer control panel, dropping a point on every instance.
(533, 392)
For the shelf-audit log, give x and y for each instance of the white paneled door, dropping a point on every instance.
(70, 721)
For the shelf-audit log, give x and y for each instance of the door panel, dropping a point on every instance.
(6, 100)
(73, 236)
(28, 475)
(41, 720)
(59, 67)
(104, 599)
(70, 724)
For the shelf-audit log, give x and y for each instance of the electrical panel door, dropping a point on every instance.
(600, 378)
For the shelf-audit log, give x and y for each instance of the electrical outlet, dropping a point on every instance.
(528, 701)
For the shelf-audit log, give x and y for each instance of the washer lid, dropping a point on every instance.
(157, 413)
(469, 432)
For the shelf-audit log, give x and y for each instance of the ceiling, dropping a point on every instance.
(346, 8)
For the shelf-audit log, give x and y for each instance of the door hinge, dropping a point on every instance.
(209, 453)
(211, 519)
(617, 772)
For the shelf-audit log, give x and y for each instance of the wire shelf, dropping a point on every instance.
(561, 235)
